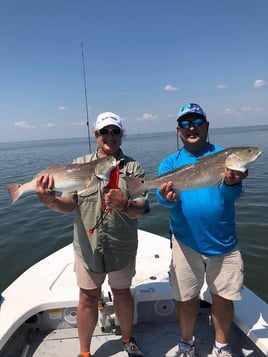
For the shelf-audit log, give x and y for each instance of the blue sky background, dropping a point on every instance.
(143, 60)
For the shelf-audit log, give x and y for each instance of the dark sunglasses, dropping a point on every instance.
(104, 131)
(186, 124)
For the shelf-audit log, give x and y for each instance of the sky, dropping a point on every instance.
(143, 59)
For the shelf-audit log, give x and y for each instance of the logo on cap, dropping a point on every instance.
(108, 118)
(191, 108)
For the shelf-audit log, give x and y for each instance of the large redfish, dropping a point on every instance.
(74, 177)
(208, 171)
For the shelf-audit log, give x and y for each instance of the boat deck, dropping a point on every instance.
(43, 324)
(156, 339)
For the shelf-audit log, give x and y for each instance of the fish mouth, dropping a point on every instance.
(258, 154)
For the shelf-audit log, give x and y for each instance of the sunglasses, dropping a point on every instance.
(186, 124)
(104, 131)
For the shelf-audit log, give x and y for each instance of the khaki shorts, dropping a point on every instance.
(188, 269)
(120, 279)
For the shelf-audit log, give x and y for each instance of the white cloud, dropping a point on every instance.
(61, 107)
(248, 110)
(222, 86)
(229, 111)
(259, 83)
(148, 116)
(23, 124)
(251, 110)
(170, 88)
(48, 125)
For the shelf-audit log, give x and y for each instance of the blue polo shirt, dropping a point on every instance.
(203, 219)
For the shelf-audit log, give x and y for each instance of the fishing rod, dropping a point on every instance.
(85, 87)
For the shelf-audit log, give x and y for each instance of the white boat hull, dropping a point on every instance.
(40, 309)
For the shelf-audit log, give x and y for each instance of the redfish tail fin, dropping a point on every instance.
(135, 185)
(14, 192)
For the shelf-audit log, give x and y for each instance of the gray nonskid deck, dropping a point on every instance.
(156, 339)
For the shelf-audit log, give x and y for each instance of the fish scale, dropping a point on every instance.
(74, 177)
(208, 171)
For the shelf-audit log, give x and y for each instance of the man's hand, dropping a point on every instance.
(167, 192)
(233, 177)
(44, 189)
(115, 198)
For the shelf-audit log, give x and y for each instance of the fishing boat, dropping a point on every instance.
(38, 311)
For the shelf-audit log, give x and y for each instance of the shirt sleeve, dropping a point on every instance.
(231, 193)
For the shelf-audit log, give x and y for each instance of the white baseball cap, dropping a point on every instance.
(108, 118)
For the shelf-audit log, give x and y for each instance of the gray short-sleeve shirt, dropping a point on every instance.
(114, 241)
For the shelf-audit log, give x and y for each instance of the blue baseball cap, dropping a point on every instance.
(191, 108)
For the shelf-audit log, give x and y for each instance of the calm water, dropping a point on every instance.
(29, 231)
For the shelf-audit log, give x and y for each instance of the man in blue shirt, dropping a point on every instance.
(204, 239)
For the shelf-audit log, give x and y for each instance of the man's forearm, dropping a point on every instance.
(61, 204)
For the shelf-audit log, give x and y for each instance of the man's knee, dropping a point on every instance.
(89, 298)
